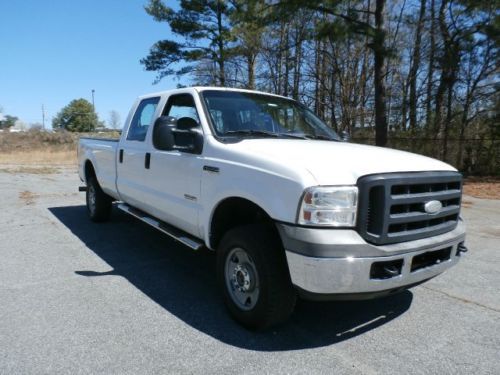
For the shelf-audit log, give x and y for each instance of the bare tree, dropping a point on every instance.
(415, 66)
(114, 121)
(379, 55)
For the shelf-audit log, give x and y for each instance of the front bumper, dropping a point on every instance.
(340, 263)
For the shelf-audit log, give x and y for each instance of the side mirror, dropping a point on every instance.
(171, 134)
(344, 136)
(163, 136)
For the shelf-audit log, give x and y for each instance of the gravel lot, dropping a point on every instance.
(121, 298)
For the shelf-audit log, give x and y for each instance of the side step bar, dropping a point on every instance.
(173, 232)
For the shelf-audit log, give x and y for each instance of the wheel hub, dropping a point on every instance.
(242, 280)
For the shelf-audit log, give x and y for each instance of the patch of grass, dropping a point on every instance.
(30, 170)
(39, 157)
(43, 148)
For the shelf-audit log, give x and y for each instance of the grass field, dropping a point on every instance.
(39, 157)
(41, 149)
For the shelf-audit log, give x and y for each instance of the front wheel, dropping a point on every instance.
(98, 202)
(253, 275)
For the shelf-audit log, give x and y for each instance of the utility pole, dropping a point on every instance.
(93, 106)
(43, 117)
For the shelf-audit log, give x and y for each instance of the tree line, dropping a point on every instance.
(415, 74)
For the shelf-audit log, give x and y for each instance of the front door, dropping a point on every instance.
(174, 183)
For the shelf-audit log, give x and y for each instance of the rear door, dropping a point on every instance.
(133, 151)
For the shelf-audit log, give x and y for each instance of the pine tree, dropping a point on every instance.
(203, 26)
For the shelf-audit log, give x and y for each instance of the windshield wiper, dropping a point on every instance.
(307, 136)
(322, 137)
(292, 135)
(251, 132)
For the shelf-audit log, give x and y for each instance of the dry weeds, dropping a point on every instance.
(482, 187)
(467, 203)
(27, 197)
(39, 157)
(29, 170)
(42, 148)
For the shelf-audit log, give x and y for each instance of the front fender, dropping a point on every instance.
(277, 195)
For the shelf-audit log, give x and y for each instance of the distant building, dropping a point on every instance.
(19, 126)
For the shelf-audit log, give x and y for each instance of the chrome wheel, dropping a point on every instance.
(242, 280)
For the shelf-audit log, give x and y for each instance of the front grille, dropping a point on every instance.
(391, 206)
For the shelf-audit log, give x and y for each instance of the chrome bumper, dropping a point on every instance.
(353, 274)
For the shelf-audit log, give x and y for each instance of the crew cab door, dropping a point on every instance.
(133, 152)
(174, 176)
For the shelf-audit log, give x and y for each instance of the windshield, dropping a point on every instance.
(242, 115)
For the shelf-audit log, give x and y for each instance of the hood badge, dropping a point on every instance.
(433, 207)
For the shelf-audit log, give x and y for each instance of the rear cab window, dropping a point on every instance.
(142, 119)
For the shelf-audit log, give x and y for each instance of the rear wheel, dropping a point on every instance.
(98, 202)
(253, 275)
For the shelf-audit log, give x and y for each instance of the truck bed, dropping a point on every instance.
(102, 153)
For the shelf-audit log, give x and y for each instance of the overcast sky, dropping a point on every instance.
(54, 51)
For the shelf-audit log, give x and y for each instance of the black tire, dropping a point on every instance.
(274, 296)
(98, 202)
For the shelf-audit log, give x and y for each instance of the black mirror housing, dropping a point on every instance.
(163, 136)
(169, 134)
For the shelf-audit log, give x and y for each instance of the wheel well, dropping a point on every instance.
(89, 170)
(234, 212)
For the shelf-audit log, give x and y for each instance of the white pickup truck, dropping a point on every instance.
(289, 208)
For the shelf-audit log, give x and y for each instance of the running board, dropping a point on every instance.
(168, 229)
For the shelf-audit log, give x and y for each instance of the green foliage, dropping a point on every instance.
(8, 121)
(203, 24)
(77, 116)
(338, 20)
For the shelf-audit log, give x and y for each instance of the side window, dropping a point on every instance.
(143, 117)
(181, 105)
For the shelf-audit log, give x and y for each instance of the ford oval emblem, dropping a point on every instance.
(433, 207)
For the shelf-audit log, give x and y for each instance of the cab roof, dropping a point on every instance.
(205, 88)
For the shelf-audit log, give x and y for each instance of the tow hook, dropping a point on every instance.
(461, 248)
(392, 270)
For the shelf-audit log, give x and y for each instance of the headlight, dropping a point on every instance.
(334, 206)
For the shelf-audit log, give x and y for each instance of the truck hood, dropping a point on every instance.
(339, 163)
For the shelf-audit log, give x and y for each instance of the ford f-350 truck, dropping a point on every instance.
(289, 208)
